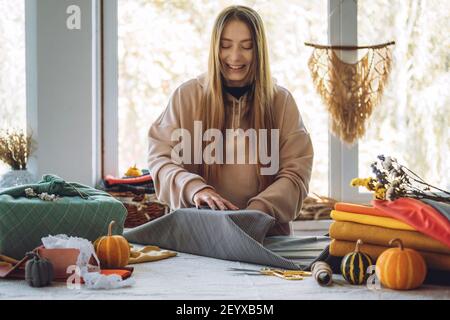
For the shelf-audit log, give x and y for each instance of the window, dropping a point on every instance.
(161, 44)
(12, 67)
(412, 122)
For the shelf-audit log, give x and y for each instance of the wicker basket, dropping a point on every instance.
(141, 208)
(316, 208)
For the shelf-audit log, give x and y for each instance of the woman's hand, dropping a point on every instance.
(213, 200)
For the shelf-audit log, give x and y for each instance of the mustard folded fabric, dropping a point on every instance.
(370, 220)
(7, 262)
(148, 254)
(350, 231)
(435, 261)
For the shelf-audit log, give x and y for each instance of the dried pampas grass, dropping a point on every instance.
(15, 148)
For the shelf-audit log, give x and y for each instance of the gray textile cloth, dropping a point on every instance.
(442, 207)
(228, 235)
(300, 250)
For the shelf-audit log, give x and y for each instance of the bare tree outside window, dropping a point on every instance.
(412, 123)
(164, 43)
(12, 67)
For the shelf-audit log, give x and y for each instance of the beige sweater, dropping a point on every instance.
(176, 184)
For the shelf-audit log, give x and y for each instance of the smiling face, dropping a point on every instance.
(236, 53)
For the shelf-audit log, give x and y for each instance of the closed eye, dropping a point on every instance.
(227, 47)
(225, 44)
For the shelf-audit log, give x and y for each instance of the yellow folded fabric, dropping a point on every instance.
(7, 262)
(340, 248)
(148, 254)
(350, 231)
(370, 220)
(8, 259)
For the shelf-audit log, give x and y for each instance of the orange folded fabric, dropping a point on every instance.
(123, 273)
(350, 231)
(340, 248)
(111, 180)
(419, 215)
(357, 208)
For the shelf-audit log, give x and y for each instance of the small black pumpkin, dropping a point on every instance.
(354, 265)
(38, 271)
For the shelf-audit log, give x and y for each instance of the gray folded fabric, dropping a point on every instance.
(229, 235)
(442, 207)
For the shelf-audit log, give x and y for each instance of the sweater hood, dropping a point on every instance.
(239, 106)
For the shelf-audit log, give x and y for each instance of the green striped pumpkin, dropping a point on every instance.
(354, 265)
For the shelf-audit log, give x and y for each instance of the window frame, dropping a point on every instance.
(110, 126)
(31, 74)
(343, 161)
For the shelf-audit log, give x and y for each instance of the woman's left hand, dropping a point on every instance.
(213, 200)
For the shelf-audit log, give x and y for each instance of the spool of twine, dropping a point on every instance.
(321, 271)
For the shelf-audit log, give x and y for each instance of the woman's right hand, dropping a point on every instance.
(213, 200)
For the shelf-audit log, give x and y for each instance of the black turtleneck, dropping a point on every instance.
(237, 92)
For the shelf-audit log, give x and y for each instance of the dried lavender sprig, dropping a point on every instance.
(435, 198)
(421, 191)
(423, 182)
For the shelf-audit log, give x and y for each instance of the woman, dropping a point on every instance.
(237, 92)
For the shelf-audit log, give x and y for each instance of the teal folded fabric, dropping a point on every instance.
(80, 211)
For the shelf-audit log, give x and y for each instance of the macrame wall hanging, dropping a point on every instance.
(350, 90)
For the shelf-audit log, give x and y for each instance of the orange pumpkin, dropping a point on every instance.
(112, 251)
(133, 172)
(400, 268)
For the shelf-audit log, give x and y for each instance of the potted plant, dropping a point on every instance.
(15, 149)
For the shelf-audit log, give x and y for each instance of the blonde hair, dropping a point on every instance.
(260, 97)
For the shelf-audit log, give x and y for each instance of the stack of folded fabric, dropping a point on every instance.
(137, 194)
(139, 185)
(421, 225)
